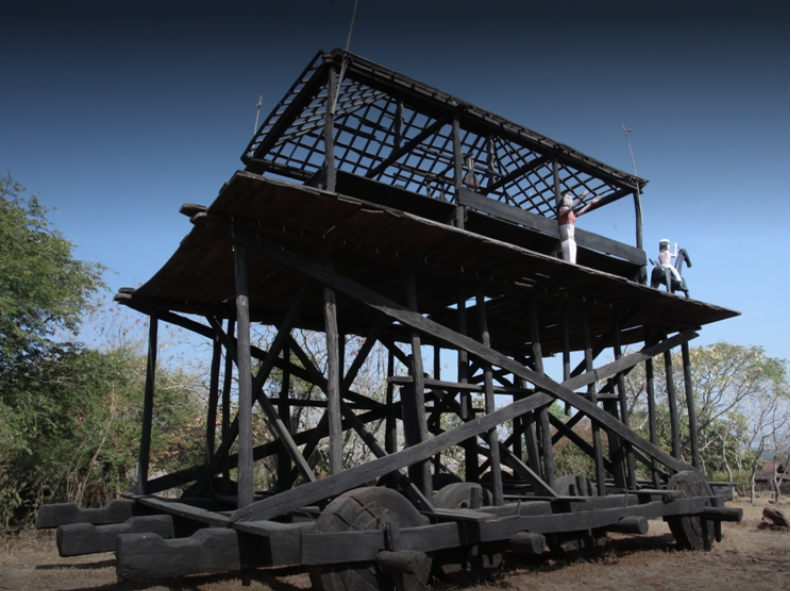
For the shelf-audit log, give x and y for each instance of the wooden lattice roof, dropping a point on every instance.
(396, 130)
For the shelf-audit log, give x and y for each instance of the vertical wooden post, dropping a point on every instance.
(329, 131)
(488, 386)
(226, 410)
(465, 399)
(245, 379)
(675, 436)
(333, 382)
(214, 393)
(414, 404)
(284, 481)
(595, 429)
(693, 418)
(148, 407)
(556, 181)
(566, 351)
(391, 430)
(651, 402)
(631, 479)
(437, 376)
(457, 171)
(543, 415)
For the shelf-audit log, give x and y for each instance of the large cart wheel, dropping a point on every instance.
(691, 532)
(365, 509)
(467, 564)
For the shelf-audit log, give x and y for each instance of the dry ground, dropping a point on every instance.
(748, 558)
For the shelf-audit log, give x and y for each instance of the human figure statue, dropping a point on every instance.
(666, 258)
(567, 216)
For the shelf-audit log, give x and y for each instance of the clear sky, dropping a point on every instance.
(117, 116)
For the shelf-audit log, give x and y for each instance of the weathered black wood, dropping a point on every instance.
(245, 379)
(419, 322)
(148, 407)
(670, 387)
(284, 479)
(691, 412)
(465, 400)
(527, 543)
(391, 433)
(651, 403)
(569, 433)
(598, 456)
(226, 416)
(275, 423)
(543, 415)
(492, 437)
(145, 557)
(278, 543)
(414, 403)
(182, 509)
(329, 131)
(403, 562)
(470, 527)
(733, 514)
(630, 525)
(57, 514)
(333, 390)
(549, 227)
(214, 393)
(358, 475)
(77, 539)
(623, 405)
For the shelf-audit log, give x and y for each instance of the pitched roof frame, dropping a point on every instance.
(390, 128)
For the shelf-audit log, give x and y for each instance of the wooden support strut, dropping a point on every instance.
(415, 320)
(148, 407)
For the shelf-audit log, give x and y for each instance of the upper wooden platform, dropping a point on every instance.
(376, 246)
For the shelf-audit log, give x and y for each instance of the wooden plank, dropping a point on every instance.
(279, 542)
(245, 379)
(77, 539)
(148, 407)
(492, 437)
(692, 413)
(670, 387)
(333, 382)
(539, 223)
(57, 514)
(145, 557)
(357, 476)
(423, 324)
(213, 518)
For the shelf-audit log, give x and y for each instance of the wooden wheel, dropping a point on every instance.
(691, 532)
(467, 564)
(365, 509)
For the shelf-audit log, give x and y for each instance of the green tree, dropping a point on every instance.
(741, 400)
(44, 290)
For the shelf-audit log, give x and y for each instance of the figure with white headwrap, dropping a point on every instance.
(567, 216)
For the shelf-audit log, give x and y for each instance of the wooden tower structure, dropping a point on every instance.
(377, 207)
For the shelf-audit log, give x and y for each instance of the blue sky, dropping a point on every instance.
(117, 116)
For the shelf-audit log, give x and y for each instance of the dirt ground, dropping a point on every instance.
(747, 558)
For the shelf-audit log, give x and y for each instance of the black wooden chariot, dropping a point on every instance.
(378, 210)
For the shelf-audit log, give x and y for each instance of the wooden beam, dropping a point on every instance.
(245, 379)
(333, 382)
(148, 407)
(416, 320)
(358, 475)
(492, 438)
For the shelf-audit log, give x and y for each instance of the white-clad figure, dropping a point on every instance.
(567, 216)
(666, 257)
